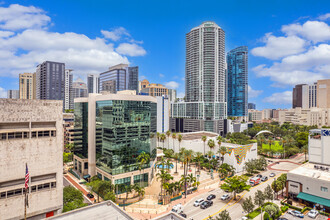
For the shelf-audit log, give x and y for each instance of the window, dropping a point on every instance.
(86, 165)
(324, 189)
(34, 134)
(3, 195)
(10, 193)
(34, 189)
(53, 133)
(53, 185)
(294, 186)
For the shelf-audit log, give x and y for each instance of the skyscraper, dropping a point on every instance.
(93, 83)
(297, 96)
(237, 81)
(205, 105)
(124, 77)
(68, 103)
(79, 89)
(27, 86)
(13, 94)
(251, 106)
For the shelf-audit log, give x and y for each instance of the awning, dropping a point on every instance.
(314, 199)
(87, 176)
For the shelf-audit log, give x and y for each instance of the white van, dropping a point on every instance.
(178, 208)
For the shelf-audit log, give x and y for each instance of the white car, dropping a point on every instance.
(244, 218)
(313, 213)
(272, 174)
(224, 197)
(198, 202)
(178, 208)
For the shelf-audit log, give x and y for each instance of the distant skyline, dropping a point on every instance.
(288, 41)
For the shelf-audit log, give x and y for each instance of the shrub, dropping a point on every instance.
(305, 209)
(266, 216)
(284, 208)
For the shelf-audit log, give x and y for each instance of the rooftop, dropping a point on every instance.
(312, 171)
(104, 210)
(198, 135)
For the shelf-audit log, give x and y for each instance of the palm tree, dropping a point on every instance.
(270, 141)
(173, 137)
(283, 142)
(223, 151)
(176, 157)
(210, 154)
(168, 164)
(191, 179)
(211, 144)
(128, 189)
(199, 157)
(140, 190)
(179, 139)
(219, 139)
(161, 162)
(143, 159)
(158, 138)
(304, 149)
(168, 134)
(204, 138)
(188, 156)
(163, 138)
(164, 177)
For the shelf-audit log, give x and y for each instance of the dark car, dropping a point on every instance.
(210, 197)
(206, 204)
(89, 195)
(183, 214)
(259, 175)
(282, 219)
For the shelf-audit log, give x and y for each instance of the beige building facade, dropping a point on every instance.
(31, 132)
(27, 86)
(323, 93)
(153, 89)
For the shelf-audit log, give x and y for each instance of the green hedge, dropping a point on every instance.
(284, 208)
(306, 208)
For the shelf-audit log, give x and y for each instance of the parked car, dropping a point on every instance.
(89, 195)
(225, 197)
(183, 214)
(282, 218)
(198, 202)
(296, 213)
(272, 174)
(264, 178)
(254, 181)
(313, 213)
(244, 218)
(178, 208)
(210, 197)
(206, 204)
(259, 175)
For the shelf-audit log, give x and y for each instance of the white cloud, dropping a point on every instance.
(18, 17)
(130, 49)
(161, 75)
(142, 77)
(315, 31)
(284, 98)
(3, 93)
(325, 16)
(115, 34)
(253, 93)
(172, 85)
(180, 95)
(277, 47)
(22, 50)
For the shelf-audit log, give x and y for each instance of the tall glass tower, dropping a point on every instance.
(237, 70)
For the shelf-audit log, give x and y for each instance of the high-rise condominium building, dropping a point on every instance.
(251, 106)
(125, 77)
(304, 96)
(297, 96)
(27, 86)
(205, 104)
(172, 95)
(79, 89)
(13, 94)
(237, 78)
(93, 83)
(68, 103)
(323, 93)
(112, 130)
(31, 134)
(153, 89)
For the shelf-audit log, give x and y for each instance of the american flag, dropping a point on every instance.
(27, 176)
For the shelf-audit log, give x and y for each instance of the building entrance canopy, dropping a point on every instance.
(314, 199)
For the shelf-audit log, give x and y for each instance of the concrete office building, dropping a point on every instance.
(154, 89)
(251, 106)
(68, 96)
(310, 183)
(267, 113)
(172, 95)
(31, 132)
(93, 83)
(255, 115)
(237, 79)
(323, 93)
(112, 130)
(304, 96)
(205, 105)
(297, 96)
(27, 86)
(109, 86)
(13, 94)
(125, 77)
(79, 89)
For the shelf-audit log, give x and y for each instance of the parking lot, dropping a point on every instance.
(288, 216)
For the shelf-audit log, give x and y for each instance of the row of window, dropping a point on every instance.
(21, 191)
(21, 135)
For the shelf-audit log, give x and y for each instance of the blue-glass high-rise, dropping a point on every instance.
(237, 81)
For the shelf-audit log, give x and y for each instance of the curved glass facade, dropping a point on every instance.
(124, 129)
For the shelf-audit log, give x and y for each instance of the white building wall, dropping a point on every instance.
(163, 114)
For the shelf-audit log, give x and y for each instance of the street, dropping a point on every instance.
(67, 183)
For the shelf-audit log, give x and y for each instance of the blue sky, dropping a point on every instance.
(288, 40)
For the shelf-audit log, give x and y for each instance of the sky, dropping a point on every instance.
(288, 41)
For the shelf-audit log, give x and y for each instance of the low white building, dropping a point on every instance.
(31, 132)
(319, 146)
(236, 157)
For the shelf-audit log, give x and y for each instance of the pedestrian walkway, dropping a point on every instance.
(69, 178)
(283, 166)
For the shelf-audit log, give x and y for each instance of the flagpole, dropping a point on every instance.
(25, 205)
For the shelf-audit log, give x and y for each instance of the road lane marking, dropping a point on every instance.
(239, 198)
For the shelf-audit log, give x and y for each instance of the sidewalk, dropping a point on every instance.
(78, 186)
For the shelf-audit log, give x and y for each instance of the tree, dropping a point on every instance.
(259, 199)
(261, 163)
(268, 193)
(249, 166)
(173, 137)
(168, 164)
(168, 134)
(304, 150)
(223, 151)
(235, 184)
(224, 215)
(179, 139)
(272, 210)
(176, 157)
(302, 139)
(226, 169)
(143, 159)
(204, 138)
(72, 199)
(158, 138)
(211, 144)
(277, 186)
(163, 138)
(94, 186)
(248, 205)
(199, 157)
(187, 157)
(163, 176)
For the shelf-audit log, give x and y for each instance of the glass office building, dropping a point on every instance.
(81, 129)
(237, 70)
